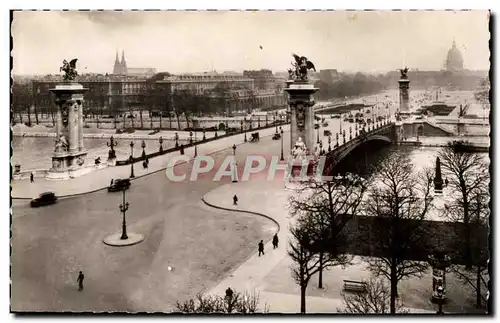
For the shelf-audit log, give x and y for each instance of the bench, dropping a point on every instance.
(354, 286)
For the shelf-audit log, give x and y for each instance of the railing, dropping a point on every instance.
(173, 149)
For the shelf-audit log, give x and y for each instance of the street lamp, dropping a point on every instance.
(111, 144)
(235, 179)
(343, 135)
(321, 148)
(190, 137)
(317, 136)
(245, 139)
(440, 299)
(204, 137)
(276, 121)
(176, 140)
(160, 140)
(132, 159)
(123, 210)
(282, 158)
(143, 146)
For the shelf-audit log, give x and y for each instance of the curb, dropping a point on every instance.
(140, 176)
(242, 211)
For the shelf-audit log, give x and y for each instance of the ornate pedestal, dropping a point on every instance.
(69, 155)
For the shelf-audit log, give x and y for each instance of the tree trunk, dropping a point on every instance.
(160, 118)
(142, 124)
(303, 287)
(187, 119)
(36, 114)
(124, 121)
(29, 116)
(394, 287)
(468, 260)
(320, 273)
(478, 288)
(151, 117)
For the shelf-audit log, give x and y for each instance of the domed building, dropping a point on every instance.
(454, 60)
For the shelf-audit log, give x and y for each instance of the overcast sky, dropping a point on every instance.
(199, 41)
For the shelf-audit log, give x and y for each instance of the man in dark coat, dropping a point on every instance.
(32, 178)
(275, 241)
(235, 200)
(261, 247)
(80, 281)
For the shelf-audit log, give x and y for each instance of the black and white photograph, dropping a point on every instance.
(251, 162)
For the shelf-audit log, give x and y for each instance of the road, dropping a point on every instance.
(50, 245)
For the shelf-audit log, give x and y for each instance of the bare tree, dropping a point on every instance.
(400, 201)
(375, 300)
(477, 275)
(241, 303)
(328, 206)
(467, 174)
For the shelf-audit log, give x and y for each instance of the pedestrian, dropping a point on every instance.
(446, 182)
(32, 178)
(80, 280)
(235, 200)
(261, 247)
(275, 241)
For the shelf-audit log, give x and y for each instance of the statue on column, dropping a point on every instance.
(302, 65)
(404, 73)
(69, 70)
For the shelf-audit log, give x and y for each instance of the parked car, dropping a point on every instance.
(46, 198)
(276, 136)
(327, 133)
(316, 126)
(119, 185)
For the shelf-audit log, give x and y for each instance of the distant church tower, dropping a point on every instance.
(117, 67)
(120, 68)
(123, 64)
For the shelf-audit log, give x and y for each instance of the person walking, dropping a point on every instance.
(261, 247)
(235, 200)
(275, 241)
(80, 280)
(32, 178)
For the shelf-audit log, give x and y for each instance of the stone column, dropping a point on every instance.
(80, 125)
(73, 125)
(59, 123)
(404, 95)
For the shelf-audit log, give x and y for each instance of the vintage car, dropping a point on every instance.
(119, 185)
(255, 137)
(327, 133)
(46, 198)
(276, 136)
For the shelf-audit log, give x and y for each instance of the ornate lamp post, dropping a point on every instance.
(123, 210)
(343, 135)
(321, 151)
(176, 140)
(245, 132)
(440, 300)
(112, 144)
(258, 121)
(160, 140)
(317, 136)
(241, 124)
(204, 137)
(282, 158)
(190, 137)
(235, 178)
(143, 146)
(132, 159)
(439, 261)
(350, 133)
(276, 120)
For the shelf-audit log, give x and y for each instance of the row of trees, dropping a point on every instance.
(350, 85)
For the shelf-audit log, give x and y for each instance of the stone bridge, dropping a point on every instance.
(344, 144)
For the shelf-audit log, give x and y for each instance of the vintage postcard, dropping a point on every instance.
(279, 162)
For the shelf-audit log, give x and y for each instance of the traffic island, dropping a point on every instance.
(115, 240)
